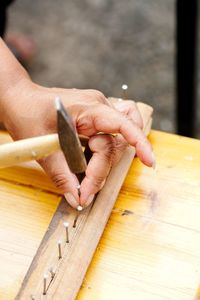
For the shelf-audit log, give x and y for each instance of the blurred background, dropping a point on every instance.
(102, 44)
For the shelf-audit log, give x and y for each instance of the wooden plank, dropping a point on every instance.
(149, 249)
(70, 270)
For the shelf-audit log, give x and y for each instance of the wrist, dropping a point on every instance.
(30, 104)
(12, 76)
(11, 96)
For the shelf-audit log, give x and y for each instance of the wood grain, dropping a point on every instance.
(150, 248)
(24, 215)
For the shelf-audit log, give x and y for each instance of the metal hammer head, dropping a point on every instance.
(69, 140)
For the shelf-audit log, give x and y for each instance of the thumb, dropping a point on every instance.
(57, 169)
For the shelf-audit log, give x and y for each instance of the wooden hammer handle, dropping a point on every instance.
(28, 149)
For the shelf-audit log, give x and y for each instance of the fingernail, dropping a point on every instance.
(89, 200)
(71, 200)
(153, 161)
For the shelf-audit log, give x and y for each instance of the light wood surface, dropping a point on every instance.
(28, 201)
(24, 215)
(150, 248)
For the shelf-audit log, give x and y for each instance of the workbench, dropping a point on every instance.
(150, 248)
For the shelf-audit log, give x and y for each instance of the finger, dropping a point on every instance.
(103, 148)
(102, 118)
(128, 108)
(94, 95)
(57, 169)
(120, 146)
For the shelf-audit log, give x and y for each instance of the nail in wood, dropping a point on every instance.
(78, 188)
(59, 250)
(79, 209)
(66, 225)
(124, 89)
(45, 284)
(52, 273)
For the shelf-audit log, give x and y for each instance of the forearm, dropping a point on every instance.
(12, 75)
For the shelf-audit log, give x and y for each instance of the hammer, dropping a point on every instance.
(38, 147)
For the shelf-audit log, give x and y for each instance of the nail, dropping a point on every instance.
(78, 188)
(53, 273)
(124, 89)
(66, 225)
(154, 161)
(79, 209)
(45, 284)
(59, 250)
(71, 200)
(89, 200)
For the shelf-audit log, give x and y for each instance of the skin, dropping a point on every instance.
(27, 109)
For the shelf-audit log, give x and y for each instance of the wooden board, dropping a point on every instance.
(28, 201)
(150, 248)
(24, 215)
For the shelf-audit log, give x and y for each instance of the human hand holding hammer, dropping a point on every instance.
(27, 110)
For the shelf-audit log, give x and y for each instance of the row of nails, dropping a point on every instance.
(52, 272)
(66, 225)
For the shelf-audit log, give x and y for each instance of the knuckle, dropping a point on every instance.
(140, 123)
(109, 151)
(109, 154)
(97, 95)
(131, 103)
(136, 114)
(121, 144)
(98, 181)
(101, 142)
(109, 148)
(108, 140)
(137, 120)
(60, 180)
(129, 120)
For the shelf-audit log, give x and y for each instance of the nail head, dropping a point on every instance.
(79, 208)
(66, 224)
(124, 87)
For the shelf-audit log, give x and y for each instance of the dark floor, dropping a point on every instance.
(102, 44)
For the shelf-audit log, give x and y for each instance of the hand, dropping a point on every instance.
(30, 111)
